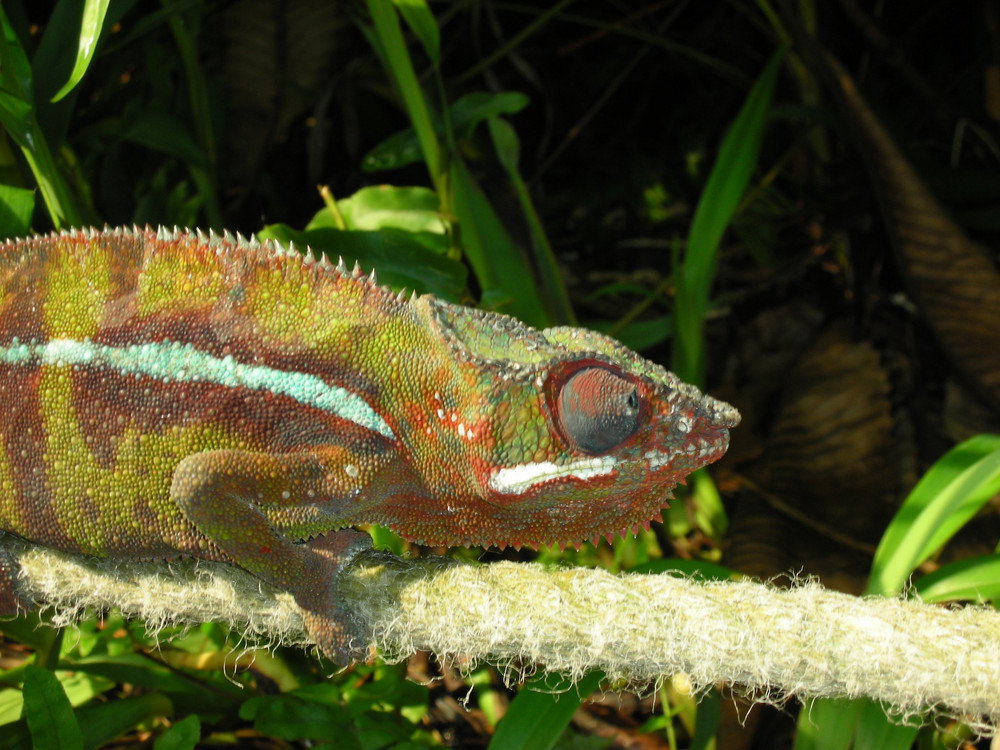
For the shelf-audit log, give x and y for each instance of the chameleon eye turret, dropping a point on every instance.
(599, 409)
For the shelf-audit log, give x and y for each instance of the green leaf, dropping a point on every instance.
(16, 207)
(495, 259)
(949, 494)
(876, 731)
(102, 722)
(48, 712)
(975, 579)
(827, 724)
(90, 32)
(413, 209)
(421, 22)
(289, 717)
(535, 719)
(403, 148)
(699, 569)
(15, 70)
(400, 67)
(508, 149)
(726, 184)
(706, 723)
(16, 117)
(183, 735)
(165, 133)
(398, 150)
(479, 106)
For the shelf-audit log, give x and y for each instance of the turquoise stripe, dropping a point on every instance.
(171, 361)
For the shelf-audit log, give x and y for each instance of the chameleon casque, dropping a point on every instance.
(168, 394)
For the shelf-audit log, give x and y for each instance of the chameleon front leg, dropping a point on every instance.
(240, 502)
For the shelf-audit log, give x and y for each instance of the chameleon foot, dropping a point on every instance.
(335, 630)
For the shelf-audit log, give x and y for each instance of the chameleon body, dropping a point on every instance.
(168, 394)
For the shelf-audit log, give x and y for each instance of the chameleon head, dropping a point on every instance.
(583, 437)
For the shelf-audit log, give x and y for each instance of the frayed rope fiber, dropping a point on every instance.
(765, 641)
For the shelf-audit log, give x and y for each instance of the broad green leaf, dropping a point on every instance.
(975, 579)
(137, 670)
(289, 717)
(11, 704)
(421, 22)
(81, 687)
(183, 735)
(90, 32)
(726, 184)
(414, 209)
(827, 724)
(16, 207)
(102, 722)
(540, 713)
(949, 494)
(876, 731)
(48, 712)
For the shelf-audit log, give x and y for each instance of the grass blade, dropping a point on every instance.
(397, 59)
(90, 31)
(949, 494)
(48, 712)
(975, 579)
(726, 184)
(536, 720)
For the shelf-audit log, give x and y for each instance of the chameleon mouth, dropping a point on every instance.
(701, 450)
(516, 480)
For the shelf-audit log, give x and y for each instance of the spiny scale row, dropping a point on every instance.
(218, 242)
(595, 539)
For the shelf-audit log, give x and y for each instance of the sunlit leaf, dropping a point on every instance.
(90, 31)
(949, 494)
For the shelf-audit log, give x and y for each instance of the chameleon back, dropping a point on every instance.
(167, 394)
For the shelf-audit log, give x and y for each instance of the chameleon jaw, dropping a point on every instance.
(519, 479)
(516, 480)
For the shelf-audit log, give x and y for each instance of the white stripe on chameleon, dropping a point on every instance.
(515, 480)
(173, 361)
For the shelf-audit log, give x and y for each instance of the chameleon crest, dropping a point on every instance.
(169, 394)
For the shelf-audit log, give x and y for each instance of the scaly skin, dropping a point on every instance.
(167, 394)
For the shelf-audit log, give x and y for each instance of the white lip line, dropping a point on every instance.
(515, 480)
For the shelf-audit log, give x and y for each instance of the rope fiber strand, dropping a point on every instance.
(763, 641)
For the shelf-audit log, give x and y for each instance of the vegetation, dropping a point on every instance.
(681, 175)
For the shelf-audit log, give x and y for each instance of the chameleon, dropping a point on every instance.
(169, 394)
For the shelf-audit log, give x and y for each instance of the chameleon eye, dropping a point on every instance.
(599, 409)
